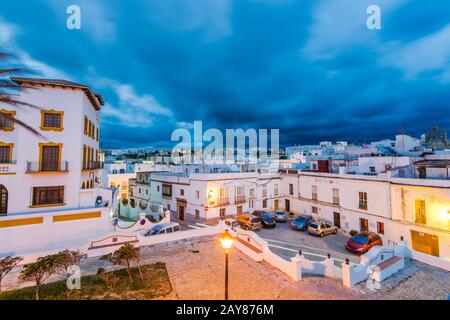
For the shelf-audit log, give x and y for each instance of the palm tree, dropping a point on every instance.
(7, 87)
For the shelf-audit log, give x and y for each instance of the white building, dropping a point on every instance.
(416, 209)
(49, 181)
(208, 196)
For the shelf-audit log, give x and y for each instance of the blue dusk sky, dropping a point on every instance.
(310, 68)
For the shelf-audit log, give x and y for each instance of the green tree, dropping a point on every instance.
(65, 259)
(39, 271)
(6, 265)
(123, 257)
(108, 278)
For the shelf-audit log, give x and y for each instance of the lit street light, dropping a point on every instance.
(226, 240)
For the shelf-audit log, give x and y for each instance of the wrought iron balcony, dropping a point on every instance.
(93, 165)
(239, 199)
(222, 201)
(47, 166)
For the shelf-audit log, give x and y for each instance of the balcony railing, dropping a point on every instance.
(49, 166)
(239, 199)
(93, 165)
(222, 201)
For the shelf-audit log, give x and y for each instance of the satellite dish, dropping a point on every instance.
(99, 200)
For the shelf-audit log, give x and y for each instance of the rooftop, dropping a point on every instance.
(95, 98)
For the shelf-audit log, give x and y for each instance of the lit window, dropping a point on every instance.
(380, 227)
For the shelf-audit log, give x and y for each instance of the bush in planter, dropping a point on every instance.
(353, 232)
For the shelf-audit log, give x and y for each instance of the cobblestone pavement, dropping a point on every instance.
(286, 242)
(196, 272)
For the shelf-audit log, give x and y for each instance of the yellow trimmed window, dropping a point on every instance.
(7, 120)
(6, 151)
(86, 122)
(50, 156)
(52, 120)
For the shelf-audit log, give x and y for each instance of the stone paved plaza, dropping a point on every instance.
(196, 270)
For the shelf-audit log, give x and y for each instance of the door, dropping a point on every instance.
(363, 225)
(425, 242)
(181, 212)
(337, 219)
(3, 200)
(287, 205)
(50, 158)
(276, 204)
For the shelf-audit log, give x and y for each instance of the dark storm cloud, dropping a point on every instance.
(310, 68)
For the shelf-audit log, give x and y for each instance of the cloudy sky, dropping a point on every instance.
(310, 68)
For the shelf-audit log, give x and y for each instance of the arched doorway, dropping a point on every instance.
(3, 200)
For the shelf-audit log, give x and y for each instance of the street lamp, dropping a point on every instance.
(226, 240)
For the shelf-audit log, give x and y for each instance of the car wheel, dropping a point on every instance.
(335, 231)
(322, 234)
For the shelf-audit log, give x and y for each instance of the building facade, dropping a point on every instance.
(49, 175)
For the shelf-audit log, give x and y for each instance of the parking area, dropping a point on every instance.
(287, 242)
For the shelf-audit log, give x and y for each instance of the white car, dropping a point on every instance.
(231, 223)
(162, 229)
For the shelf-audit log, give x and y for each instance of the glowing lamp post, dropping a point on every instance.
(226, 240)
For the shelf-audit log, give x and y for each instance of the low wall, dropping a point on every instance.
(350, 274)
(48, 231)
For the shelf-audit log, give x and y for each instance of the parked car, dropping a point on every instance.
(267, 220)
(249, 222)
(231, 223)
(301, 223)
(320, 228)
(163, 229)
(280, 216)
(363, 242)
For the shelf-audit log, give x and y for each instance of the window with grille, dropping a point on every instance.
(167, 190)
(6, 121)
(5, 154)
(336, 196)
(50, 158)
(52, 120)
(363, 200)
(3, 200)
(48, 195)
(314, 192)
(421, 212)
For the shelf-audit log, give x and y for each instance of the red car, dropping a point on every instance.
(363, 242)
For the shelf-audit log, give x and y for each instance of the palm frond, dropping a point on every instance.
(8, 98)
(10, 70)
(23, 124)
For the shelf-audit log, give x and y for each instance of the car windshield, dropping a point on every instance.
(156, 229)
(255, 220)
(266, 216)
(280, 213)
(359, 238)
(313, 225)
(300, 219)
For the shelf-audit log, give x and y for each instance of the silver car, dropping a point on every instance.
(320, 228)
(280, 216)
